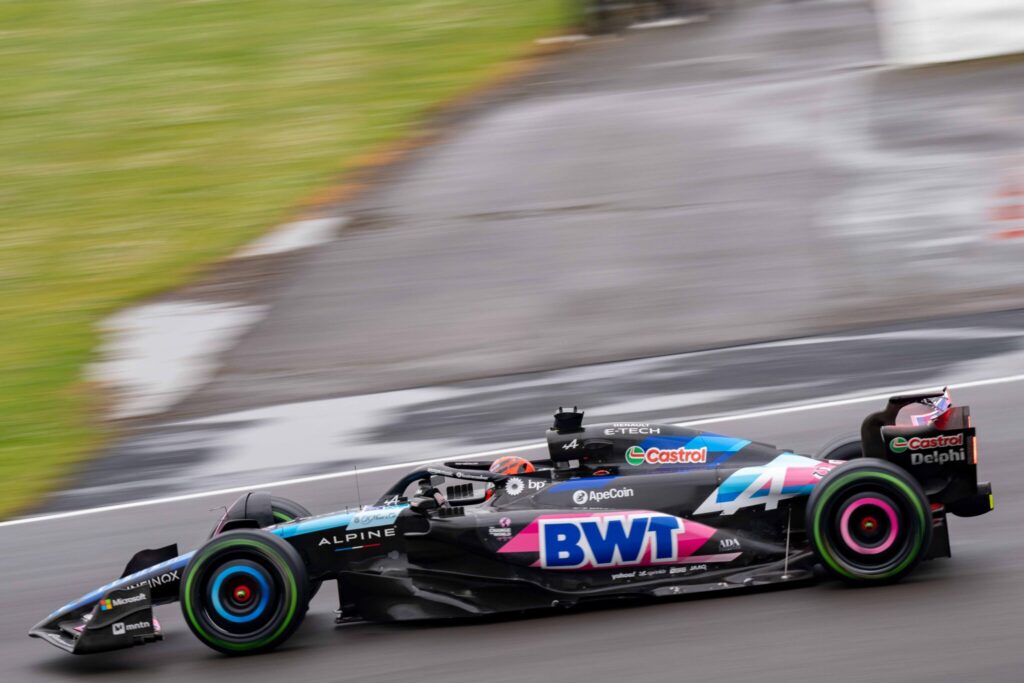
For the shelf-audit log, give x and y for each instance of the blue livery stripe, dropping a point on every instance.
(730, 489)
(312, 525)
(717, 443)
(362, 519)
(666, 443)
(586, 483)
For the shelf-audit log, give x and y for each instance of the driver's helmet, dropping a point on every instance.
(512, 464)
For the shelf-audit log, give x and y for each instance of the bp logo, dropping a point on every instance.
(635, 455)
(514, 486)
(898, 445)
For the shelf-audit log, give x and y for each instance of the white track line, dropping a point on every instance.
(500, 451)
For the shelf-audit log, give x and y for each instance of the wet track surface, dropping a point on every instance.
(302, 439)
(954, 620)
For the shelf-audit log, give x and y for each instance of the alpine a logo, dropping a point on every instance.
(917, 443)
(583, 497)
(786, 476)
(636, 456)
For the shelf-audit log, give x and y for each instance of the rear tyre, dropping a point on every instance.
(842, 448)
(244, 592)
(869, 522)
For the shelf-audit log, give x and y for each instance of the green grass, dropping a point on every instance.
(141, 139)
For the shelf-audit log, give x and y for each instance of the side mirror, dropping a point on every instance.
(423, 504)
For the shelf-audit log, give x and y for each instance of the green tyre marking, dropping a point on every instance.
(825, 548)
(282, 517)
(241, 646)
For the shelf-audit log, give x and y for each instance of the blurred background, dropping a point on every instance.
(253, 241)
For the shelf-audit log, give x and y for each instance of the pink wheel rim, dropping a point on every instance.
(844, 526)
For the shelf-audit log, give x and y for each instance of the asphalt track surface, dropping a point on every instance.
(954, 620)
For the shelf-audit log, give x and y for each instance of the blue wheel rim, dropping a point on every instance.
(229, 571)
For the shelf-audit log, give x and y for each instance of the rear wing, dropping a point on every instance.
(939, 448)
(871, 428)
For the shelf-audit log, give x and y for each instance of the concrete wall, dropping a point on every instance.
(929, 31)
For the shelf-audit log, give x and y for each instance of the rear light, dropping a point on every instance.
(974, 444)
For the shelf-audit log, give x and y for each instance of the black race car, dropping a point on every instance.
(616, 510)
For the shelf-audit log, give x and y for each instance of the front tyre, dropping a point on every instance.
(287, 510)
(244, 592)
(869, 522)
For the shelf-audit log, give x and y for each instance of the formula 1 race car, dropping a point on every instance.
(616, 510)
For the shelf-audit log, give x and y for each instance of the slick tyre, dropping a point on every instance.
(841, 448)
(282, 510)
(869, 522)
(286, 510)
(244, 592)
